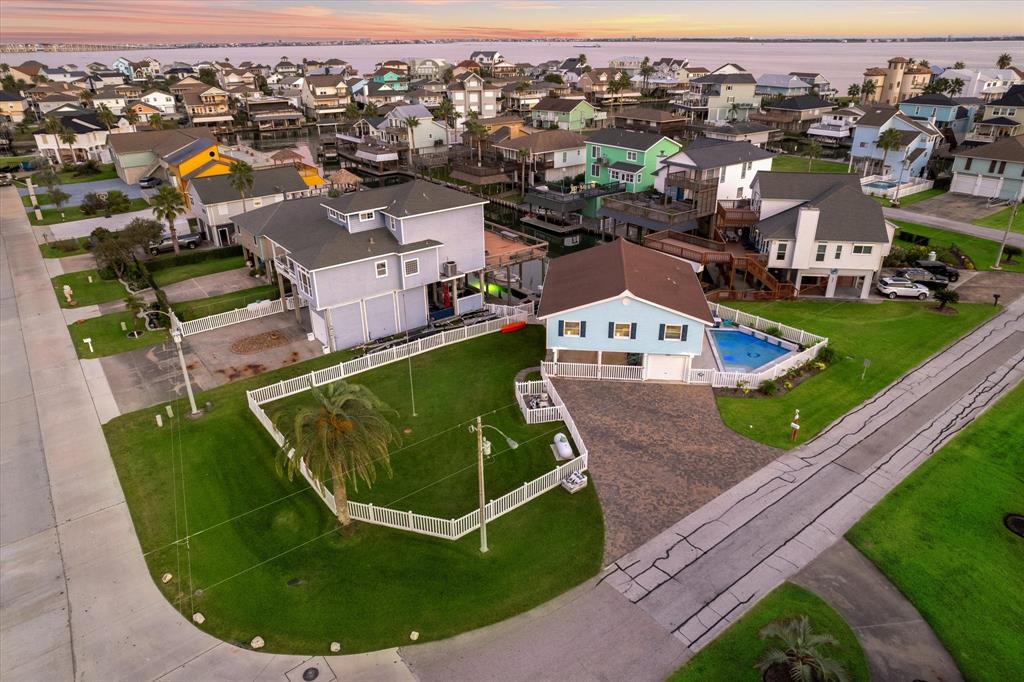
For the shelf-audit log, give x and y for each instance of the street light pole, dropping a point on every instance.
(1006, 233)
(177, 336)
(480, 476)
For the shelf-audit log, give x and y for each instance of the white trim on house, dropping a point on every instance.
(629, 293)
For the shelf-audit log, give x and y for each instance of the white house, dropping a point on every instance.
(917, 143)
(470, 93)
(111, 98)
(90, 139)
(820, 232)
(158, 99)
(836, 126)
(731, 165)
(551, 155)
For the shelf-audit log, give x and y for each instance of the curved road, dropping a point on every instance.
(78, 602)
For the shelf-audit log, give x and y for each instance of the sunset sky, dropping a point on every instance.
(247, 20)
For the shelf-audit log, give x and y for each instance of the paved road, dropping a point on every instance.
(900, 646)
(1015, 238)
(78, 190)
(83, 228)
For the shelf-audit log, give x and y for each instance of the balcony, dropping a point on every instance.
(829, 130)
(686, 181)
(652, 212)
(735, 213)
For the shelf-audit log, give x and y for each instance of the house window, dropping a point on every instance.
(739, 192)
(304, 284)
(862, 249)
(412, 267)
(992, 166)
(820, 255)
(573, 328)
(839, 251)
(631, 156)
(673, 332)
(595, 169)
(367, 215)
(780, 250)
(622, 330)
(381, 268)
(596, 152)
(614, 175)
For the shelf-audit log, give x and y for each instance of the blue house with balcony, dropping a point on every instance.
(621, 310)
(942, 111)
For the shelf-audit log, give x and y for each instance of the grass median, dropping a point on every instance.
(980, 250)
(107, 336)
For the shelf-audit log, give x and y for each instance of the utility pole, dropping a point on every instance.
(1006, 233)
(480, 476)
(177, 336)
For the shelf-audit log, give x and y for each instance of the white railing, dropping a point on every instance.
(536, 415)
(508, 310)
(587, 370)
(793, 334)
(253, 312)
(451, 529)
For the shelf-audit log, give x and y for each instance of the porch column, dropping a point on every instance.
(555, 360)
(798, 282)
(296, 301)
(280, 284)
(483, 286)
(455, 296)
(865, 289)
(830, 288)
(599, 354)
(508, 283)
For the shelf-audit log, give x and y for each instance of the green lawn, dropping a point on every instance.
(52, 216)
(999, 219)
(939, 537)
(894, 335)
(53, 249)
(180, 273)
(981, 251)
(264, 558)
(42, 198)
(732, 656)
(107, 172)
(912, 199)
(190, 310)
(86, 292)
(107, 336)
(798, 164)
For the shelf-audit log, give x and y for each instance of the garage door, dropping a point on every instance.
(988, 187)
(667, 367)
(963, 184)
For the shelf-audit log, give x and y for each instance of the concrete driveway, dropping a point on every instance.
(962, 207)
(979, 287)
(670, 456)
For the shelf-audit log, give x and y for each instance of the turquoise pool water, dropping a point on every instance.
(881, 184)
(739, 352)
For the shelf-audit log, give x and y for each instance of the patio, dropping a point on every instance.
(670, 457)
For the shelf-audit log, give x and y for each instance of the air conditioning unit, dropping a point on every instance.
(449, 268)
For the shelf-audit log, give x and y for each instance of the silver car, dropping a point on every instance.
(901, 286)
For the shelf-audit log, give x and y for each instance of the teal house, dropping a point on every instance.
(994, 170)
(566, 114)
(625, 156)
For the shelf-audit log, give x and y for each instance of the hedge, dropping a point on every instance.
(192, 256)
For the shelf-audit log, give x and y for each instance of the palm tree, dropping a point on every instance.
(524, 156)
(853, 90)
(925, 63)
(411, 123)
(958, 65)
(800, 654)
(1004, 60)
(241, 178)
(911, 62)
(478, 131)
(646, 70)
(370, 109)
(581, 61)
(345, 435)
(734, 111)
(53, 127)
(445, 111)
(131, 116)
(156, 121)
(69, 137)
(168, 204)
(956, 86)
(86, 97)
(106, 116)
(813, 152)
(351, 112)
(868, 90)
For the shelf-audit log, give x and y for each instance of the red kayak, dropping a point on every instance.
(512, 327)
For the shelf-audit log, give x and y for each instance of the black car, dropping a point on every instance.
(149, 182)
(937, 267)
(922, 276)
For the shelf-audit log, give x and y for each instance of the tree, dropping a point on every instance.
(553, 78)
(524, 157)
(946, 297)
(131, 116)
(478, 131)
(646, 71)
(925, 63)
(114, 253)
(447, 75)
(156, 121)
(956, 86)
(958, 65)
(168, 204)
(853, 90)
(867, 90)
(106, 116)
(370, 109)
(346, 435)
(241, 177)
(69, 137)
(734, 111)
(208, 76)
(411, 123)
(1004, 60)
(813, 152)
(445, 111)
(47, 178)
(117, 201)
(937, 86)
(52, 126)
(581, 60)
(800, 653)
(351, 112)
(889, 141)
(58, 197)
(137, 306)
(86, 97)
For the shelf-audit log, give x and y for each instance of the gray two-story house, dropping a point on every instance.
(375, 263)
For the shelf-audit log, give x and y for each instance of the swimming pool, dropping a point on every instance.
(741, 352)
(881, 184)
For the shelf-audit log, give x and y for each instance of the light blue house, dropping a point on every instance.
(625, 310)
(993, 170)
(942, 111)
(917, 143)
(375, 263)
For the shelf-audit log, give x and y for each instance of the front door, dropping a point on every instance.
(223, 236)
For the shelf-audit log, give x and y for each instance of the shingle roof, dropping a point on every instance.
(1006, 149)
(610, 270)
(800, 103)
(159, 142)
(545, 141)
(935, 99)
(725, 78)
(781, 80)
(187, 151)
(627, 167)
(705, 152)
(845, 213)
(266, 181)
(1001, 121)
(1014, 97)
(313, 240)
(647, 114)
(562, 104)
(629, 139)
(407, 199)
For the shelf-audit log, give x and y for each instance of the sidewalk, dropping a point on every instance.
(1015, 238)
(83, 228)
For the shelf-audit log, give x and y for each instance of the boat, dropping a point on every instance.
(586, 46)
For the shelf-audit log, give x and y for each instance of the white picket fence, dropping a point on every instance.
(509, 310)
(211, 322)
(793, 334)
(450, 529)
(586, 370)
(537, 415)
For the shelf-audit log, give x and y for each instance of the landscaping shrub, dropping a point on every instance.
(946, 297)
(905, 236)
(825, 354)
(90, 167)
(66, 245)
(774, 331)
(92, 203)
(190, 257)
(117, 202)
(1010, 252)
(769, 387)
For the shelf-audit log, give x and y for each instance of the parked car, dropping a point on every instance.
(185, 241)
(901, 286)
(922, 276)
(6, 179)
(937, 267)
(150, 182)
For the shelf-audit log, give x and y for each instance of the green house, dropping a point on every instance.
(567, 114)
(626, 156)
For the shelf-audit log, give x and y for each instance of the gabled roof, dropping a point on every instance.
(781, 80)
(725, 78)
(1006, 149)
(1014, 97)
(933, 99)
(407, 199)
(188, 151)
(545, 141)
(561, 104)
(845, 212)
(705, 153)
(160, 142)
(266, 181)
(621, 267)
(800, 103)
(629, 139)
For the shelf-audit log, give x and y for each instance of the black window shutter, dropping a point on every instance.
(611, 330)
(583, 329)
(632, 331)
(683, 336)
(661, 332)
(561, 327)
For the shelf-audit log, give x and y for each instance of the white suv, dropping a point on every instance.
(901, 286)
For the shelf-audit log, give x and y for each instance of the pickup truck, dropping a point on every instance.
(185, 241)
(937, 267)
(922, 276)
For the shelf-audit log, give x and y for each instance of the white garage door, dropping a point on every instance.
(667, 367)
(963, 184)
